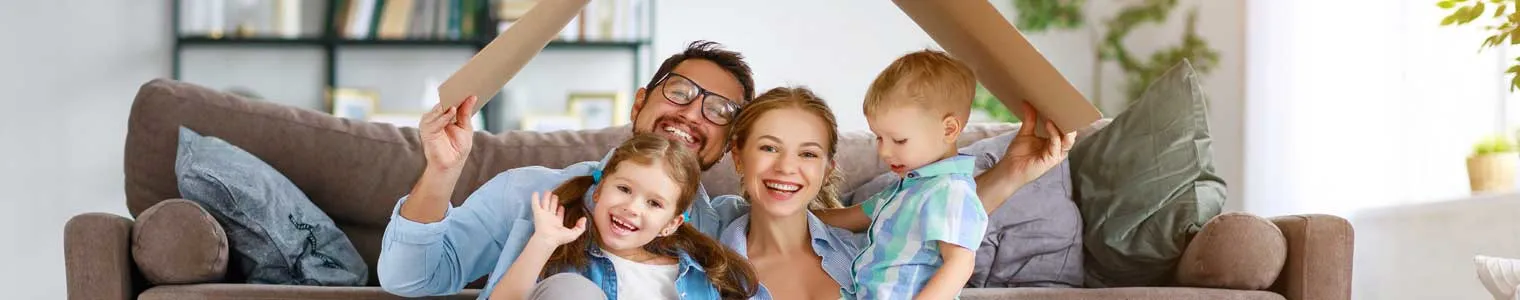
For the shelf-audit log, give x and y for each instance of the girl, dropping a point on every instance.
(638, 246)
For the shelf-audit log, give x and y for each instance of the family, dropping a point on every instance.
(639, 225)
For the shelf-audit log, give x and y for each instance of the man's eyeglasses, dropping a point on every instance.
(682, 91)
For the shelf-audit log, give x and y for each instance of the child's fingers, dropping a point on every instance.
(537, 204)
(580, 225)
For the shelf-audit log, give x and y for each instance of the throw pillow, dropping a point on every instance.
(177, 242)
(1032, 240)
(1146, 182)
(277, 235)
(1235, 251)
(1499, 275)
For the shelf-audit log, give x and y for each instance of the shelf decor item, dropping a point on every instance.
(598, 110)
(353, 104)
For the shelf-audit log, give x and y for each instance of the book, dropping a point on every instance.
(359, 16)
(1003, 59)
(396, 19)
(490, 69)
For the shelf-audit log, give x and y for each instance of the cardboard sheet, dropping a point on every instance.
(491, 68)
(1003, 59)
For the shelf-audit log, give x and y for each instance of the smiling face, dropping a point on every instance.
(909, 137)
(634, 205)
(653, 113)
(783, 161)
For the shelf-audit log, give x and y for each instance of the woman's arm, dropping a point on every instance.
(952, 276)
(1028, 157)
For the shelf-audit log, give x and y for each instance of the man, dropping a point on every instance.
(432, 248)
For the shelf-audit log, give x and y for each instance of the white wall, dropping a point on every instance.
(68, 72)
(837, 48)
(1345, 116)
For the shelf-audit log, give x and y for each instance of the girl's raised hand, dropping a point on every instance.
(549, 220)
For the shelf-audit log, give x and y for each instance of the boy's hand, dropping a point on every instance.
(1030, 155)
(446, 134)
(549, 222)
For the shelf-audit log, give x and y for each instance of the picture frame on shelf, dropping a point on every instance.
(356, 104)
(599, 109)
(546, 123)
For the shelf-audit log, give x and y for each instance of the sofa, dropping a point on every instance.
(355, 171)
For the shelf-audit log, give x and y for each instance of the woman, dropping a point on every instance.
(784, 146)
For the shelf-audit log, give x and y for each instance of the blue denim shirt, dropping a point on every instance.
(691, 279)
(486, 233)
(835, 245)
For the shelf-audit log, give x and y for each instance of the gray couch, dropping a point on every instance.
(355, 171)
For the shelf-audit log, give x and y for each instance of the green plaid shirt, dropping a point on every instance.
(934, 203)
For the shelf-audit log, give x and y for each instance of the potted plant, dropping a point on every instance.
(1491, 168)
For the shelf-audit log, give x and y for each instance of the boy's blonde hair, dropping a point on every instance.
(930, 79)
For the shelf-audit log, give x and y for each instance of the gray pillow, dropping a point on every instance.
(1146, 182)
(1032, 240)
(276, 234)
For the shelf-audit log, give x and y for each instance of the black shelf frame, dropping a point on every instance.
(330, 43)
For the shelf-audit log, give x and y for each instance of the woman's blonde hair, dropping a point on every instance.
(800, 98)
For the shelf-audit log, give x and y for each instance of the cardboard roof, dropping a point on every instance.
(971, 30)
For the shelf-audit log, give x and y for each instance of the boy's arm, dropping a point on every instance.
(851, 218)
(523, 273)
(951, 277)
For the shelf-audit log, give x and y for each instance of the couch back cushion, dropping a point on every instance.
(355, 171)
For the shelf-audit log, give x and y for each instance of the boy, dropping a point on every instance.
(923, 232)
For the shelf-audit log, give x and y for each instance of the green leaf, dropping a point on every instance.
(1449, 20)
(1474, 13)
(1446, 4)
(1500, 12)
(1514, 37)
(1513, 69)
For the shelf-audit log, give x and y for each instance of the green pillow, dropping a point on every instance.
(1146, 182)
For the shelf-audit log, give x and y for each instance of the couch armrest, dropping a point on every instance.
(1319, 257)
(97, 254)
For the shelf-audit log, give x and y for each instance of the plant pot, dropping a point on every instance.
(1490, 173)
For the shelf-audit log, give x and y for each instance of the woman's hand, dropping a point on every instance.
(1030, 155)
(1027, 157)
(446, 134)
(549, 222)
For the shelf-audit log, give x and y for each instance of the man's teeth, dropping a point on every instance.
(680, 133)
(783, 187)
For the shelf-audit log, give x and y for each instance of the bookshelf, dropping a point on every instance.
(331, 40)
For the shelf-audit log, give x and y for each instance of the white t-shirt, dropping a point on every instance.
(644, 281)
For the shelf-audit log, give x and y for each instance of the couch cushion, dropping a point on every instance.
(276, 292)
(1145, 182)
(1234, 251)
(177, 242)
(277, 235)
(1159, 293)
